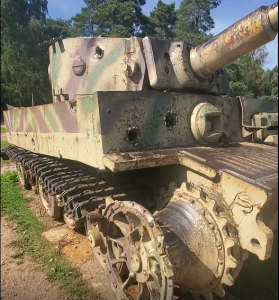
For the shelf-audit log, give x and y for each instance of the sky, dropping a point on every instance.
(226, 14)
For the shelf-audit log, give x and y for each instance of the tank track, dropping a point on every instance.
(79, 189)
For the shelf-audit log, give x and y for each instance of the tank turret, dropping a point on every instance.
(80, 66)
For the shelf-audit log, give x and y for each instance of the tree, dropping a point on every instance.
(84, 23)
(194, 21)
(56, 28)
(269, 83)
(23, 60)
(164, 17)
(116, 18)
(248, 78)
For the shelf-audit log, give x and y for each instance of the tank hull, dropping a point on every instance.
(119, 122)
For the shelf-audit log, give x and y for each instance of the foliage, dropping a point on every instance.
(31, 242)
(248, 78)
(9, 177)
(164, 17)
(56, 28)
(269, 83)
(117, 18)
(84, 22)
(22, 58)
(4, 144)
(194, 21)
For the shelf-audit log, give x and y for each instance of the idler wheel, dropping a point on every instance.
(49, 202)
(137, 262)
(23, 176)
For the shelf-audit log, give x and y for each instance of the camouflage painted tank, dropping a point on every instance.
(174, 182)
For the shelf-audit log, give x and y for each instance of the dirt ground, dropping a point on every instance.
(7, 167)
(17, 281)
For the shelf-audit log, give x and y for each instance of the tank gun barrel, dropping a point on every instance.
(253, 31)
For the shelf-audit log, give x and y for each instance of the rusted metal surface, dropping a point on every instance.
(240, 200)
(111, 123)
(262, 127)
(207, 124)
(252, 162)
(76, 187)
(246, 183)
(273, 16)
(253, 31)
(49, 201)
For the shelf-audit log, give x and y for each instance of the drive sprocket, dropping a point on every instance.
(201, 244)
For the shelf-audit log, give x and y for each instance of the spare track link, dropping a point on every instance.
(78, 190)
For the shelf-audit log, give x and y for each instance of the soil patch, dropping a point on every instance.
(7, 166)
(22, 279)
(75, 248)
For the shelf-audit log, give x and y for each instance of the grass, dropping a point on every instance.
(3, 129)
(4, 144)
(31, 242)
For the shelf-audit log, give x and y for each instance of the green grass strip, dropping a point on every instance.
(32, 243)
(4, 144)
(3, 129)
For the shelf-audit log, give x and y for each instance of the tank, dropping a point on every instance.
(174, 182)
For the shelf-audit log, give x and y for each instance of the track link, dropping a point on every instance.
(78, 189)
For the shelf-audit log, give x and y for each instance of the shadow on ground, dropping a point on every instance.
(258, 280)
